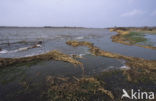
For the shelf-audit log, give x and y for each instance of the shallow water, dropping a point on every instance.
(151, 38)
(28, 81)
(12, 79)
(55, 38)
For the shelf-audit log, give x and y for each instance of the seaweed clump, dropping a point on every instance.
(76, 89)
(139, 67)
(52, 55)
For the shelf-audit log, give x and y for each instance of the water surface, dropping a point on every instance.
(27, 82)
(55, 38)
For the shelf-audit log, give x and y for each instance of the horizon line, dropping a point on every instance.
(69, 26)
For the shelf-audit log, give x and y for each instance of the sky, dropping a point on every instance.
(78, 13)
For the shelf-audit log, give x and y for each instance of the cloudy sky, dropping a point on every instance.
(78, 13)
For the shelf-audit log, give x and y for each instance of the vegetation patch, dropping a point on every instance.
(52, 55)
(135, 37)
(79, 89)
(131, 36)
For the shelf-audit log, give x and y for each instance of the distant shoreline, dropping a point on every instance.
(39, 27)
(75, 27)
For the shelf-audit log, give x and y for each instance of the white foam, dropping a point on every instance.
(29, 55)
(3, 51)
(23, 49)
(124, 67)
(81, 55)
(38, 45)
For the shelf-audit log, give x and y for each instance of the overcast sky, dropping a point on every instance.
(78, 13)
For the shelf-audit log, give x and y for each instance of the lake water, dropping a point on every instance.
(34, 74)
(55, 38)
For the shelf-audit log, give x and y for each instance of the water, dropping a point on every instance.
(28, 82)
(55, 38)
(151, 38)
(12, 79)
